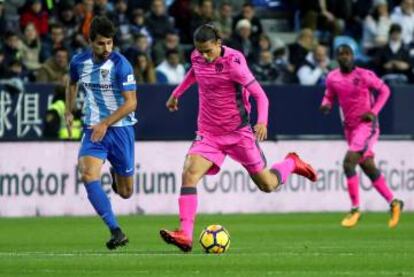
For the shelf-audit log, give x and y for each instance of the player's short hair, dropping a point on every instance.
(344, 46)
(206, 32)
(101, 25)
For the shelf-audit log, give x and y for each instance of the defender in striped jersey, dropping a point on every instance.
(107, 80)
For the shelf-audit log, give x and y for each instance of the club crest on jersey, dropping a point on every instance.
(219, 67)
(237, 60)
(356, 81)
(104, 73)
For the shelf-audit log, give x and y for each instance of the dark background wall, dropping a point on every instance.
(293, 111)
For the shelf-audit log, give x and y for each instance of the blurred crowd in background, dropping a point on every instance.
(285, 42)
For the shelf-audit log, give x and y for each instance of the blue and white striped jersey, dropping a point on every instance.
(103, 84)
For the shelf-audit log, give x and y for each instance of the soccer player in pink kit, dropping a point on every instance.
(354, 88)
(225, 84)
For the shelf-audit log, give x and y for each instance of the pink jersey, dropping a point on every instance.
(355, 94)
(224, 89)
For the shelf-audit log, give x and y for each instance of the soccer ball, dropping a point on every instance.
(215, 239)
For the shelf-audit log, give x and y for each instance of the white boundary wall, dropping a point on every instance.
(41, 179)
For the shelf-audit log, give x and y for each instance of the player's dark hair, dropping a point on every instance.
(206, 32)
(344, 46)
(101, 25)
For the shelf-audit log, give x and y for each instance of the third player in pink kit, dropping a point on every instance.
(225, 85)
(354, 88)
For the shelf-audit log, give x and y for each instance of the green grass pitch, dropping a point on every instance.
(310, 244)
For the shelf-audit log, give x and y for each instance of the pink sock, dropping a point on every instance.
(284, 169)
(353, 190)
(381, 186)
(188, 208)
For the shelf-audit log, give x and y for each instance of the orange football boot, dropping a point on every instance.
(302, 168)
(178, 238)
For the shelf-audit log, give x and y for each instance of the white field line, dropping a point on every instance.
(225, 272)
(197, 253)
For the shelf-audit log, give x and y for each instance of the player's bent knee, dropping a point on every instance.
(125, 188)
(373, 173)
(88, 176)
(190, 177)
(349, 168)
(265, 182)
(266, 188)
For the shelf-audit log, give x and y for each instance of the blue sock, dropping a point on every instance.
(101, 203)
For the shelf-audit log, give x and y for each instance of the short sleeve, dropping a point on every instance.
(126, 76)
(240, 72)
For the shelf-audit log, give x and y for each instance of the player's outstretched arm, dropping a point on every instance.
(70, 98)
(189, 79)
(129, 106)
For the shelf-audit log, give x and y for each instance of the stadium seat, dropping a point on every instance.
(268, 3)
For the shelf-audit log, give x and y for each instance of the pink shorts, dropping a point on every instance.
(240, 145)
(362, 138)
